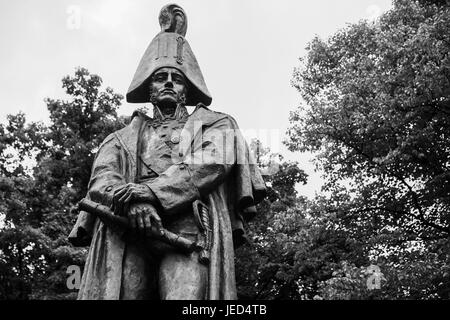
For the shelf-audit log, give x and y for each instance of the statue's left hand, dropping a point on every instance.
(128, 193)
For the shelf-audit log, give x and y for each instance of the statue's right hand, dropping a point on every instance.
(126, 194)
(142, 217)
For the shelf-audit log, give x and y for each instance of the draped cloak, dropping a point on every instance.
(214, 164)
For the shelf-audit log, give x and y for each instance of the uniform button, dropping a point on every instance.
(175, 139)
(109, 188)
(182, 167)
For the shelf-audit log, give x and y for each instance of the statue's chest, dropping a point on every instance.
(159, 146)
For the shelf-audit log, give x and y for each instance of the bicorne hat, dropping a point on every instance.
(170, 49)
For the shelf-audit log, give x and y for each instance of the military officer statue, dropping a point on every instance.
(188, 175)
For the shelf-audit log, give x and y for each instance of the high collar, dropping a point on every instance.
(180, 113)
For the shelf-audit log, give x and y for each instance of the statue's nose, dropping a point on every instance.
(169, 84)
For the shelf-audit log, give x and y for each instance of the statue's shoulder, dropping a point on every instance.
(105, 143)
(204, 112)
(136, 119)
(130, 129)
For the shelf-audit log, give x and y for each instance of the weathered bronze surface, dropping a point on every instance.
(189, 177)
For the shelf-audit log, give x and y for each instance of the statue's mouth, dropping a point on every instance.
(168, 91)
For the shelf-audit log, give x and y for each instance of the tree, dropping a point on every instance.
(44, 171)
(295, 247)
(376, 114)
(264, 265)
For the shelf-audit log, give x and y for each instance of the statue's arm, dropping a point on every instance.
(105, 175)
(206, 167)
(107, 172)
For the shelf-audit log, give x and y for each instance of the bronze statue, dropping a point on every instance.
(168, 195)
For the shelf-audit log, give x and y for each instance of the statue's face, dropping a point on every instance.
(168, 86)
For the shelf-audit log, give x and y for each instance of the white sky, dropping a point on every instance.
(247, 50)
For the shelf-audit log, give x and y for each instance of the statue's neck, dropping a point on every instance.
(169, 112)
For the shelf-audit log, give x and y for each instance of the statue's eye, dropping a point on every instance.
(160, 77)
(178, 79)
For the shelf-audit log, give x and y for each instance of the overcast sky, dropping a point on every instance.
(247, 50)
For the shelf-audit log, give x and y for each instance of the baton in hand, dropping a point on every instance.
(169, 238)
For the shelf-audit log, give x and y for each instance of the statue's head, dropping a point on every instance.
(168, 71)
(168, 87)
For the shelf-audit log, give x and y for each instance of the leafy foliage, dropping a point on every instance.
(375, 113)
(44, 171)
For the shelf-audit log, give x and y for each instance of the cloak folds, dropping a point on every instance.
(214, 164)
